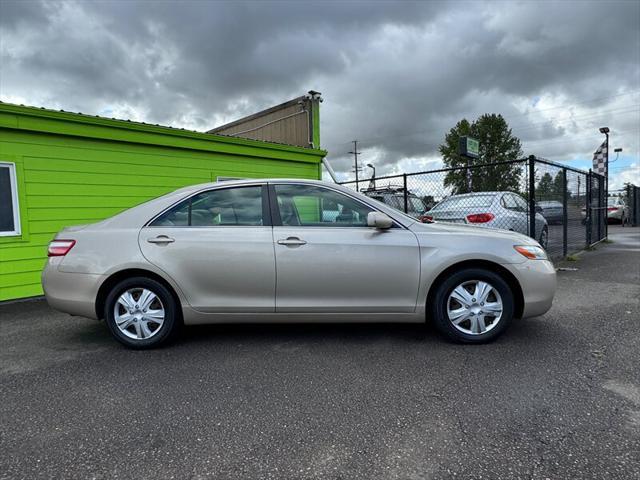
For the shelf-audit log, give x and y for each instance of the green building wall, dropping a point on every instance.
(75, 169)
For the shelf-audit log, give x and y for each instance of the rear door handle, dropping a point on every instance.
(161, 239)
(291, 241)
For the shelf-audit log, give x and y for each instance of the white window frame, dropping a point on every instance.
(229, 179)
(14, 200)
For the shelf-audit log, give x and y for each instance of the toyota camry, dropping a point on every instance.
(291, 251)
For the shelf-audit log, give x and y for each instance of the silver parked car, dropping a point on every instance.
(505, 210)
(394, 197)
(552, 211)
(291, 251)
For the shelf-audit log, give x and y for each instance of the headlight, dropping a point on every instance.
(531, 252)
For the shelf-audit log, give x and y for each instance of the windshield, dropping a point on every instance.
(614, 201)
(416, 205)
(459, 202)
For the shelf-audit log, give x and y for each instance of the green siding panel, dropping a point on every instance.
(25, 290)
(75, 169)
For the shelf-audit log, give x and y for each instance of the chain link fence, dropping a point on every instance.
(561, 207)
(632, 200)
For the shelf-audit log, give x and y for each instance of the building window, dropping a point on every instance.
(9, 211)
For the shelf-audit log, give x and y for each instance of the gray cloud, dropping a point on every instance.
(396, 75)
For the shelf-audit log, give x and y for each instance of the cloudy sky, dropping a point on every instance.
(394, 75)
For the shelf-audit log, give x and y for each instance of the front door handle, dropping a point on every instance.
(291, 241)
(161, 239)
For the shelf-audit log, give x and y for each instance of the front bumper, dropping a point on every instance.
(538, 282)
(73, 293)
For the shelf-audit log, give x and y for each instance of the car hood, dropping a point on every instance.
(481, 233)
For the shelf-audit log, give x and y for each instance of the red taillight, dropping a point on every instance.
(612, 209)
(425, 218)
(59, 248)
(480, 217)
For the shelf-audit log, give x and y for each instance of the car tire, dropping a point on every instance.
(142, 313)
(445, 306)
(544, 237)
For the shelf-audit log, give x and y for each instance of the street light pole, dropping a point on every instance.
(617, 151)
(372, 182)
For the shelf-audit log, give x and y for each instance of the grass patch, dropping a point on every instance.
(572, 258)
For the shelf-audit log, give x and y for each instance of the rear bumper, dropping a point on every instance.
(538, 282)
(73, 293)
(554, 218)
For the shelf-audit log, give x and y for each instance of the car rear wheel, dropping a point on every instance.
(472, 306)
(141, 313)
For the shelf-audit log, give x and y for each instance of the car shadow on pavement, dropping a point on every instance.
(353, 333)
(521, 331)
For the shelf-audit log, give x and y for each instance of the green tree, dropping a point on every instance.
(497, 144)
(558, 186)
(549, 187)
(545, 187)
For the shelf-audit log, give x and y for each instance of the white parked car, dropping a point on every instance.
(617, 210)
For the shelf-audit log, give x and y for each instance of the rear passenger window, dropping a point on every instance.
(223, 207)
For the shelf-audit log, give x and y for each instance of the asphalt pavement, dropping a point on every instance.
(555, 397)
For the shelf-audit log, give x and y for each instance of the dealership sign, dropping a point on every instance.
(469, 147)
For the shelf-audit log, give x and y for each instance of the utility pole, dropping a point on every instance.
(356, 168)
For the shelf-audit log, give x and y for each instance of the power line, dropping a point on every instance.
(406, 134)
(632, 92)
(619, 110)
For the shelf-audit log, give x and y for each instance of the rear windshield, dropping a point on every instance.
(459, 202)
(614, 201)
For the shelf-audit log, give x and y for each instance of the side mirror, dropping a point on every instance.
(379, 220)
(539, 209)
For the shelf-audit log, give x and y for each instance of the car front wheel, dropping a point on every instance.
(141, 313)
(544, 237)
(472, 306)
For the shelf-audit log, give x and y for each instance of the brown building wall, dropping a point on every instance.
(290, 123)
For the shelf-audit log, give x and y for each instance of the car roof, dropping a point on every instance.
(251, 181)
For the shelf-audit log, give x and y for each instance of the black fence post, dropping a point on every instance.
(565, 216)
(587, 210)
(635, 215)
(600, 211)
(532, 196)
(405, 193)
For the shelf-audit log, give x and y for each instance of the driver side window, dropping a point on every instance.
(311, 206)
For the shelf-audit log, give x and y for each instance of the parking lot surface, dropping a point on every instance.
(556, 397)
